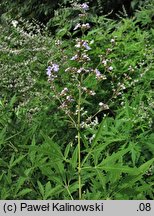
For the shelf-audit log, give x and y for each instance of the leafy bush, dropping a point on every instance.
(43, 11)
(144, 16)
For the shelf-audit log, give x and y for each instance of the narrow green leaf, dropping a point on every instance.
(84, 140)
(12, 101)
(129, 180)
(19, 184)
(41, 188)
(32, 152)
(12, 159)
(24, 192)
(122, 169)
(144, 167)
(115, 156)
(18, 160)
(74, 158)
(74, 187)
(2, 136)
(52, 191)
(47, 187)
(67, 150)
(98, 134)
(60, 167)
(54, 146)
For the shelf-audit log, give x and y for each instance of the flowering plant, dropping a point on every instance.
(71, 100)
(84, 77)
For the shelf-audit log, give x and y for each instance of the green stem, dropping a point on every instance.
(79, 141)
(79, 165)
(69, 192)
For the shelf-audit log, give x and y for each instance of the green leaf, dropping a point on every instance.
(98, 134)
(2, 136)
(122, 169)
(50, 192)
(24, 192)
(67, 150)
(115, 156)
(62, 32)
(12, 101)
(32, 152)
(84, 101)
(28, 171)
(17, 161)
(84, 140)
(19, 184)
(55, 149)
(12, 159)
(74, 158)
(73, 187)
(60, 167)
(58, 180)
(41, 188)
(47, 187)
(134, 177)
(144, 167)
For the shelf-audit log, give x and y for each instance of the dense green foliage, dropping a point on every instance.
(39, 150)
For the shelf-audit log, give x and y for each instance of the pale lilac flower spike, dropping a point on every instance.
(74, 57)
(77, 26)
(49, 71)
(86, 45)
(110, 68)
(97, 72)
(55, 67)
(84, 6)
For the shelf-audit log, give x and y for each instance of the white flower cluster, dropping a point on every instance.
(82, 26)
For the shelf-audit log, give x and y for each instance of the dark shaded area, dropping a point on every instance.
(43, 10)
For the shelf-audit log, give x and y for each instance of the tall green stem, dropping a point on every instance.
(79, 141)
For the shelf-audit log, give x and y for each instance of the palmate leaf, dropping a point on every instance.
(145, 187)
(17, 161)
(50, 192)
(134, 177)
(102, 179)
(112, 158)
(96, 148)
(57, 179)
(74, 187)
(51, 147)
(97, 151)
(60, 167)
